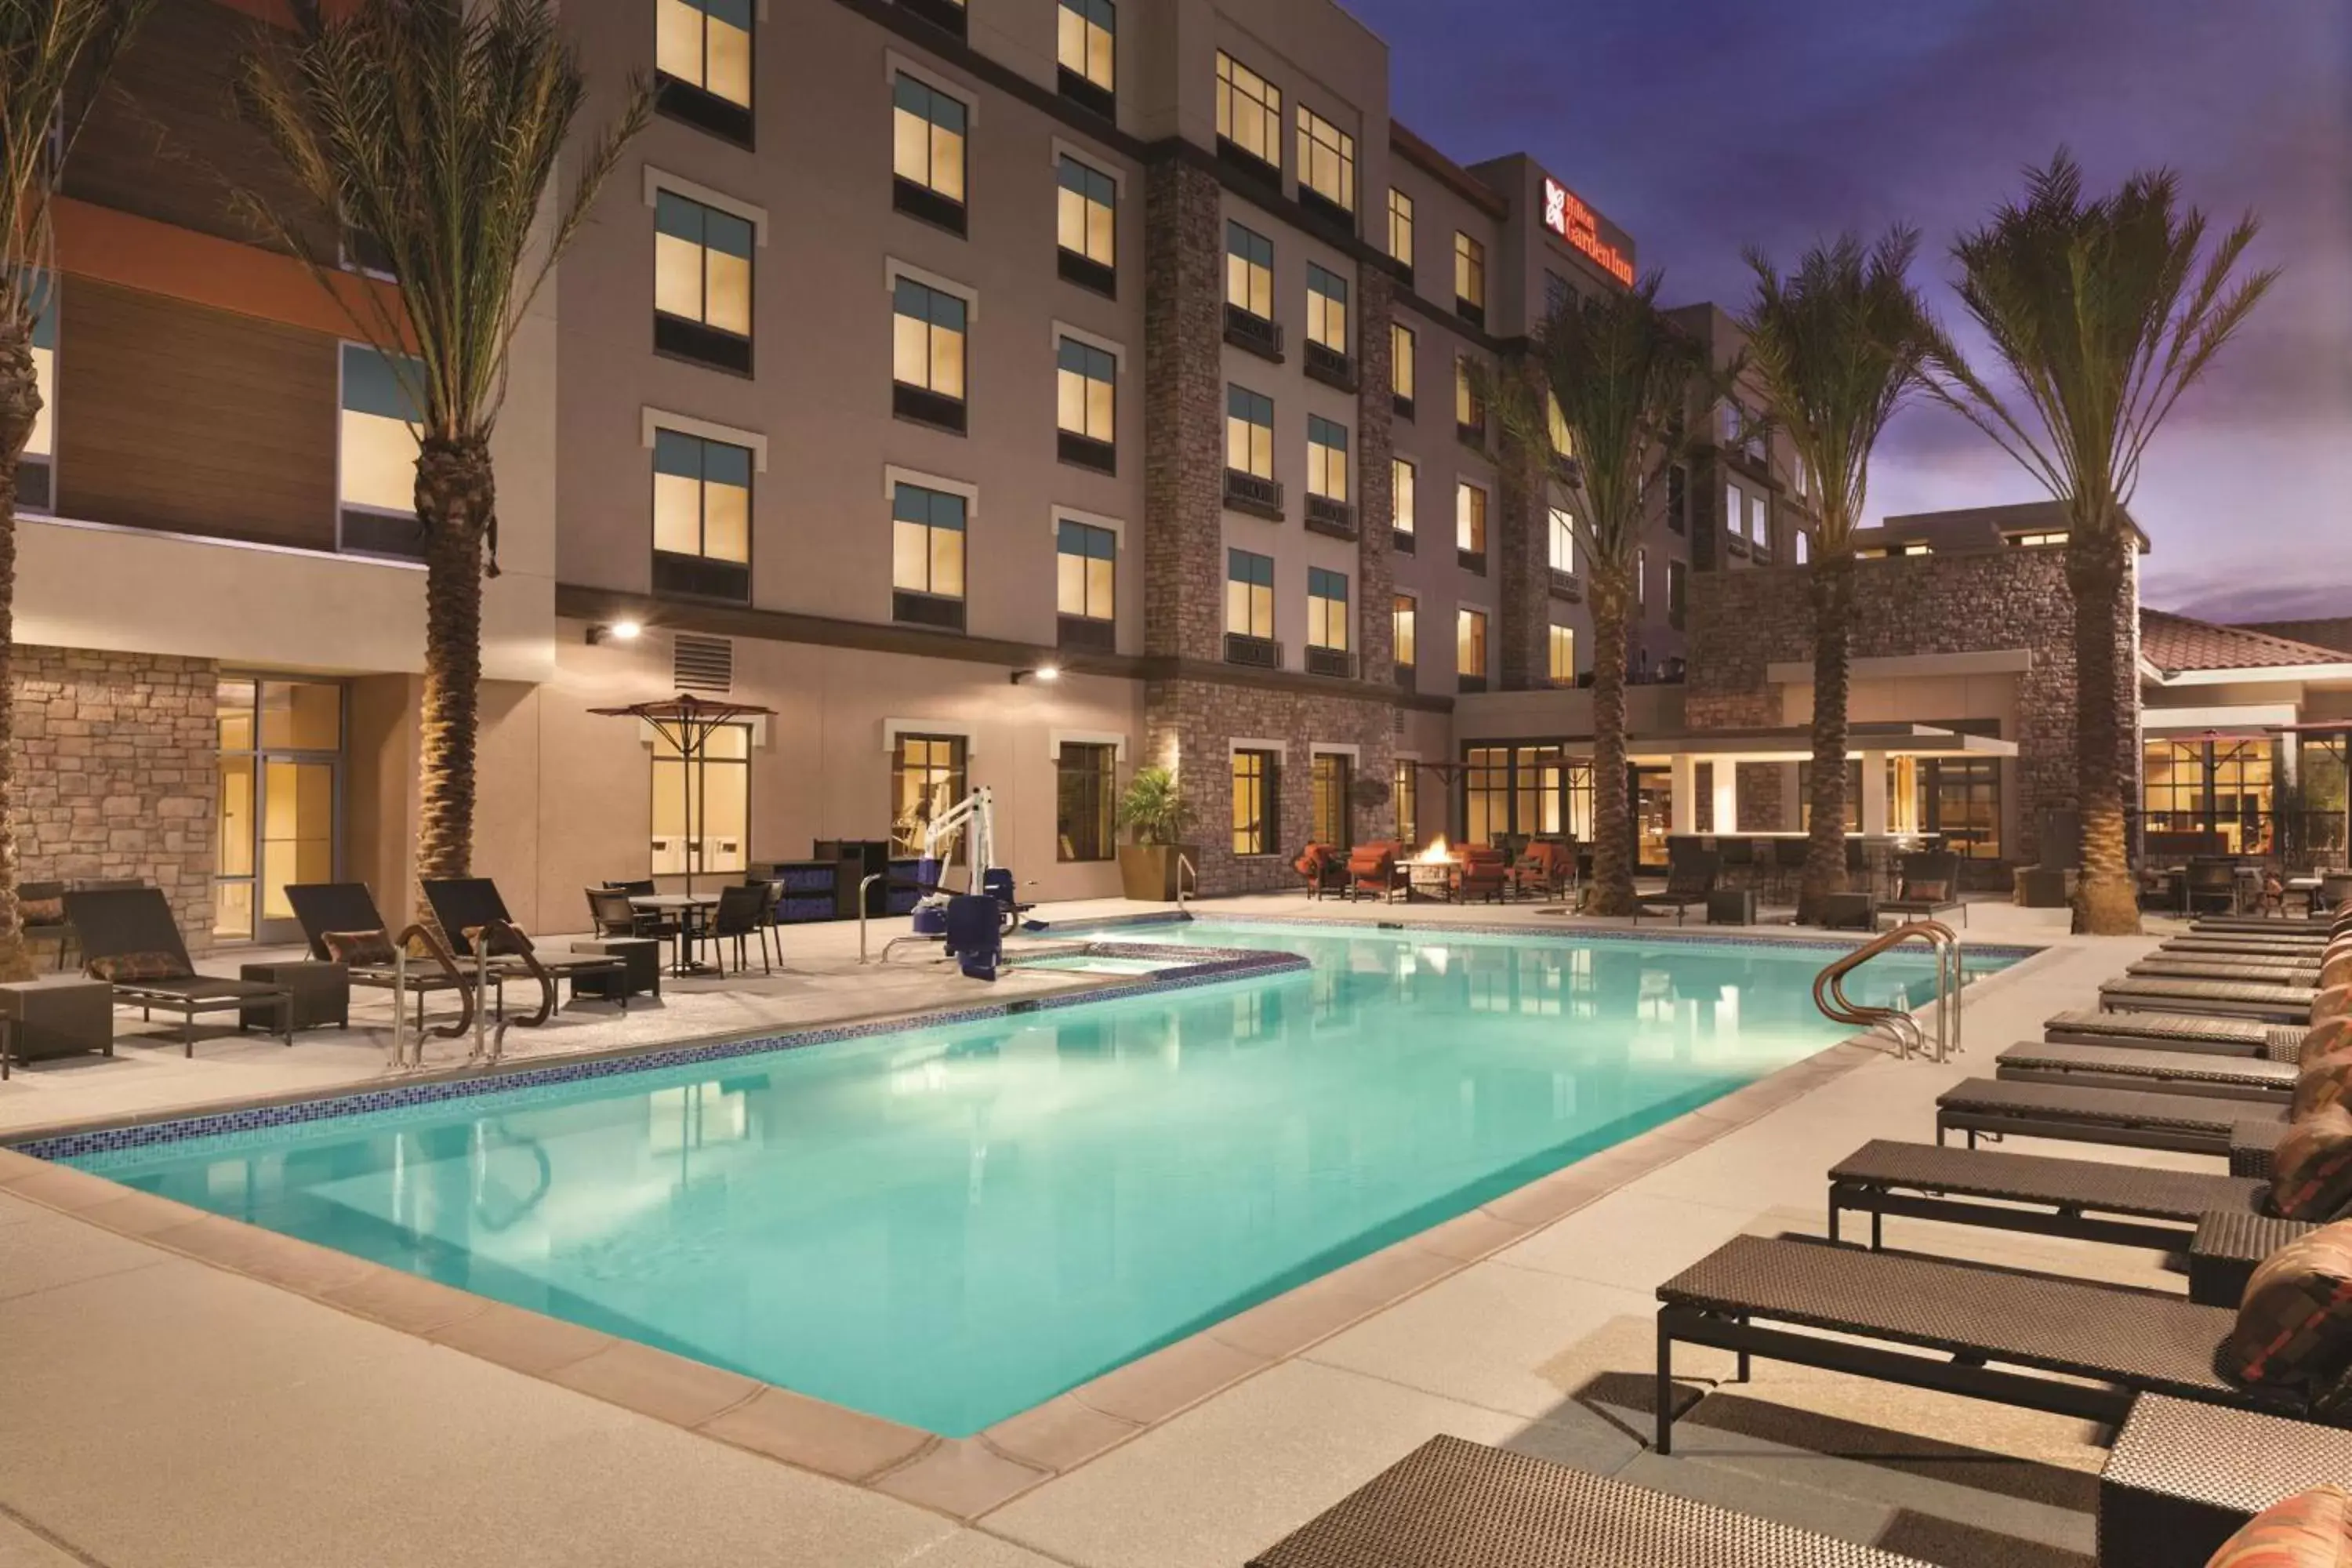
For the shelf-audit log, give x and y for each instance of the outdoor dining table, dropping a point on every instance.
(688, 909)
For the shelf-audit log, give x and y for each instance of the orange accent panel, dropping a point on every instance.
(162, 259)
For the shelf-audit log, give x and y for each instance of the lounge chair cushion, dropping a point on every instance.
(2309, 1530)
(503, 942)
(2333, 1002)
(42, 911)
(2311, 1169)
(1927, 890)
(2322, 1081)
(123, 968)
(2336, 970)
(2293, 1331)
(2324, 1040)
(361, 948)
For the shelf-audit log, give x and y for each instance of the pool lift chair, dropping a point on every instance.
(971, 926)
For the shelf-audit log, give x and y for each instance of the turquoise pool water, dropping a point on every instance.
(947, 1226)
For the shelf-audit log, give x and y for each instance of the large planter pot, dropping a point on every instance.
(1148, 872)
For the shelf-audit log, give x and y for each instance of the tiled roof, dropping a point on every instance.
(2175, 643)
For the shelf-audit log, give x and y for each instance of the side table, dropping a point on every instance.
(1731, 907)
(1851, 911)
(321, 992)
(640, 970)
(55, 1016)
(2184, 1477)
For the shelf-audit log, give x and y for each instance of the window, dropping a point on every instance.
(1640, 580)
(1327, 608)
(1469, 278)
(1330, 776)
(1678, 593)
(1470, 643)
(1734, 509)
(1087, 560)
(1533, 790)
(375, 453)
(702, 283)
(927, 548)
(1249, 431)
(1404, 609)
(927, 777)
(702, 51)
(1403, 478)
(1563, 439)
(1469, 408)
(1470, 521)
(1401, 228)
(1087, 51)
(1563, 542)
(1405, 794)
(1804, 547)
(1249, 111)
(1249, 271)
(703, 516)
(1960, 799)
(1559, 293)
(1402, 367)
(1678, 497)
(33, 480)
(1086, 393)
(2221, 787)
(710, 795)
(1326, 310)
(1563, 655)
(1249, 594)
(1327, 161)
(927, 154)
(1802, 476)
(927, 354)
(1088, 226)
(1256, 831)
(1326, 458)
(1084, 792)
(2038, 540)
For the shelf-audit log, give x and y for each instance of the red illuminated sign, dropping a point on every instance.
(1574, 222)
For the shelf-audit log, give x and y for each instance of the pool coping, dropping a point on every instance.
(961, 1478)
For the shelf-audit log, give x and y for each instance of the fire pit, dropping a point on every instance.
(1431, 873)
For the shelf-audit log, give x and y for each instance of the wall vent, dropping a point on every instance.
(703, 664)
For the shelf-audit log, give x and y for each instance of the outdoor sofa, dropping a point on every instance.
(130, 939)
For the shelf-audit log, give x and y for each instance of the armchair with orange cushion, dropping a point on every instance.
(1372, 871)
(1485, 874)
(1543, 869)
(1322, 868)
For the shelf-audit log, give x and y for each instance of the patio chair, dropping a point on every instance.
(1543, 869)
(741, 914)
(2131, 1118)
(41, 914)
(1485, 874)
(130, 939)
(337, 917)
(2236, 999)
(2210, 882)
(2178, 1032)
(1372, 872)
(1689, 882)
(471, 915)
(1927, 888)
(1323, 868)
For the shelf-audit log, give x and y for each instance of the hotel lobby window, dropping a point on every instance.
(1086, 226)
(1085, 48)
(702, 516)
(926, 354)
(280, 779)
(1249, 113)
(702, 59)
(927, 777)
(926, 556)
(376, 455)
(1256, 799)
(718, 782)
(1326, 162)
(927, 152)
(1085, 791)
(1959, 797)
(702, 283)
(2220, 787)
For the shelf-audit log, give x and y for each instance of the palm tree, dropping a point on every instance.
(2105, 311)
(1621, 376)
(1837, 344)
(53, 57)
(432, 130)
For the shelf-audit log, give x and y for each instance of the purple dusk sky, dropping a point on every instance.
(1701, 125)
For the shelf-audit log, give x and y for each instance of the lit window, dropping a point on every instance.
(1406, 795)
(1326, 458)
(1087, 559)
(1804, 547)
(1759, 523)
(377, 446)
(1734, 509)
(1401, 227)
(1563, 542)
(1249, 271)
(1329, 820)
(1401, 615)
(1469, 275)
(1563, 440)
(1084, 798)
(1089, 30)
(703, 265)
(2033, 541)
(712, 793)
(1469, 518)
(928, 139)
(1249, 431)
(1089, 219)
(1327, 608)
(1563, 655)
(927, 777)
(926, 536)
(706, 43)
(1641, 579)
(1255, 798)
(1327, 160)
(1469, 408)
(1084, 384)
(927, 338)
(1327, 309)
(702, 498)
(1249, 111)
(1402, 360)
(33, 477)
(1403, 479)
(1249, 594)
(1470, 643)
(1677, 588)
(1802, 475)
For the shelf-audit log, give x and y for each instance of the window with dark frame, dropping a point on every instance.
(1086, 226)
(927, 777)
(1405, 794)
(929, 130)
(702, 516)
(1085, 560)
(1249, 115)
(703, 65)
(702, 283)
(1085, 790)
(1332, 773)
(1256, 797)
(1086, 55)
(926, 556)
(1085, 406)
(928, 342)
(719, 780)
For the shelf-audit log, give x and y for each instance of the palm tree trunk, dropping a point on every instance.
(456, 498)
(1824, 874)
(2105, 903)
(20, 405)
(1612, 829)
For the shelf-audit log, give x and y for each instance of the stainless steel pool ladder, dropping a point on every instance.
(1910, 1037)
(1183, 865)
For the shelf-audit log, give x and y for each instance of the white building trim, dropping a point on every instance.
(893, 269)
(651, 419)
(1056, 515)
(660, 179)
(1092, 340)
(1250, 743)
(894, 728)
(893, 476)
(1056, 739)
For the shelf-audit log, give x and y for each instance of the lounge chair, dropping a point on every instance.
(470, 912)
(130, 939)
(2262, 926)
(1372, 872)
(1453, 1501)
(1690, 881)
(1975, 1322)
(332, 914)
(2260, 971)
(2278, 1003)
(2134, 1119)
(1928, 888)
(2160, 1071)
(2178, 1032)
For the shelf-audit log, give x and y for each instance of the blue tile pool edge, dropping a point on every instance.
(1199, 966)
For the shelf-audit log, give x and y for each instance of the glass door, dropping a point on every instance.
(281, 758)
(1653, 816)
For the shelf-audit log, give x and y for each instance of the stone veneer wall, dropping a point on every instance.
(1518, 537)
(116, 773)
(1741, 622)
(1184, 422)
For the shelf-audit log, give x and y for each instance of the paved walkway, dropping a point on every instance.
(162, 1412)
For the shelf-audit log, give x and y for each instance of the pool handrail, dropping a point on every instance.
(1909, 1035)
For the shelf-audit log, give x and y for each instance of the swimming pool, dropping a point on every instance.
(945, 1226)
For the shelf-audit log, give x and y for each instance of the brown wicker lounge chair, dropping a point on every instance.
(2133, 1118)
(1975, 1324)
(130, 939)
(2253, 969)
(2259, 925)
(2161, 1071)
(344, 908)
(1452, 1502)
(1690, 881)
(2279, 1004)
(467, 908)
(2178, 1032)
(2249, 946)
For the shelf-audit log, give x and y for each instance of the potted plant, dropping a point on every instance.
(1154, 813)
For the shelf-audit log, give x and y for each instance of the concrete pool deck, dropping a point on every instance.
(151, 1391)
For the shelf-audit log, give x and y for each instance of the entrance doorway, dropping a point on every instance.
(281, 789)
(1653, 816)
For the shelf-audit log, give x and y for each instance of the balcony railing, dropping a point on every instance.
(1564, 585)
(1330, 367)
(1087, 634)
(1336, 518)
(1402, 541)
(1339, 663)
(1258, 653)
(1249, 493)
(1471, 560)
(1248, 330)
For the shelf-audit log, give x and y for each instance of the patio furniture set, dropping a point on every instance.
(1467, 873)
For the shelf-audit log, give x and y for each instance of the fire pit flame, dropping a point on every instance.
(1438, 853)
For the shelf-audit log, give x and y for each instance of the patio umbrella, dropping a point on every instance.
(686, 722)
